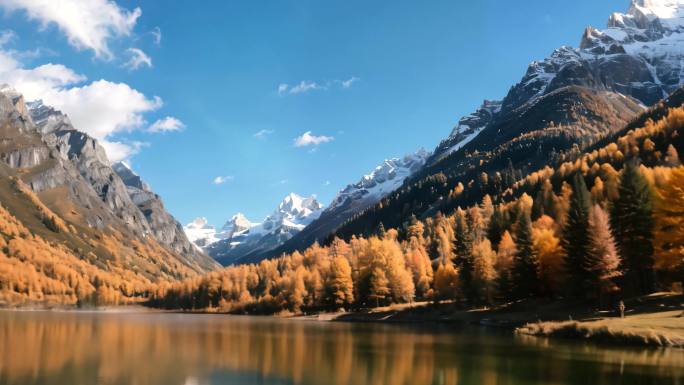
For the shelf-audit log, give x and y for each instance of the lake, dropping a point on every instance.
(140, 348)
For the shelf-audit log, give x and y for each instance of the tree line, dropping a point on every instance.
(583, 230)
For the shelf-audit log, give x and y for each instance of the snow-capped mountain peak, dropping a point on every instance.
(298, 206)
(238, 223)
(200, 232)
(384, 179)
(240, 237)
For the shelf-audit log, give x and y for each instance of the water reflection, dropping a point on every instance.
(143, 348)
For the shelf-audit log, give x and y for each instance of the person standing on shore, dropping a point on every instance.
(621, 307)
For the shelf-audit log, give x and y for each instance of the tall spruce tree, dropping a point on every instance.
(495, 227)
(463, 254)
(525, 262)
(632, 223)
(575, 239)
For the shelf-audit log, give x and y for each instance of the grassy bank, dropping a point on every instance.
(654, 320)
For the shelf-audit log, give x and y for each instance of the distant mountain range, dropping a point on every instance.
(298, 219)
(239, 238)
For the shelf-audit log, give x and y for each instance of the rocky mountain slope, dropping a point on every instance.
(66, 172)
(639, 54)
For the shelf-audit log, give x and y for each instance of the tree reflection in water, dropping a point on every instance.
(150, 348)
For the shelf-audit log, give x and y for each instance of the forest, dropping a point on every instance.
(606, 225)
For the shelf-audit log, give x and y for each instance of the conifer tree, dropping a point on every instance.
(672, 157)
(484, 273)
(463, 254)
(575, 239)
(550, 253)
(603, 262)
(379, 286)
(495, 227)
(446, 282)
(525, 262)
(380, 231)
(669, 216)
(632, 223)
(339, 285)
(504, 265)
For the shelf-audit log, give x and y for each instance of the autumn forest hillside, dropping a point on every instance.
(600, 222)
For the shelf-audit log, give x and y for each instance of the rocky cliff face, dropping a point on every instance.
(70, 171)
(163, 226)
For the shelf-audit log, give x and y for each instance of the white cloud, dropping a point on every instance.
(308, 139)
(118, 151)
(156, 35)
(326, 183)
(101, 108)
(262, 134)
(305, 86)
(349, 82)
(167, 124)
(223, 179)
(87, 24)
(137, 58)
(282, 88)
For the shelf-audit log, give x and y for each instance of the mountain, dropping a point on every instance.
(200, 232)
(355, 198)
(57, 183)
(240, 240)
(562, 105)
(639, 54)
(164, 227)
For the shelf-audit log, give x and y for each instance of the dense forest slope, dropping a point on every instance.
(72, 230)
(561, 105)
(600, 224)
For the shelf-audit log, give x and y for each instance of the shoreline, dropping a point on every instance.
(653, 321)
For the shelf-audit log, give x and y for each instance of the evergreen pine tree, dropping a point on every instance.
(463, 254)
(380, 231)
(575, 239)
(495, 227)
(525, 274)
(632, 223)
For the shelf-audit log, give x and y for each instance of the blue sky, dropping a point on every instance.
(376, 80)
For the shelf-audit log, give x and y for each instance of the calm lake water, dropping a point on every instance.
(73, 348)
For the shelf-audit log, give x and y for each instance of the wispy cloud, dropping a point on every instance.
(7, 36)
(262, 134)
(167, 124)
(305, 86)
(136, 59)
(349, 82)
(87, 24)
(223, 179)
(156, 35)
(309, 139)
